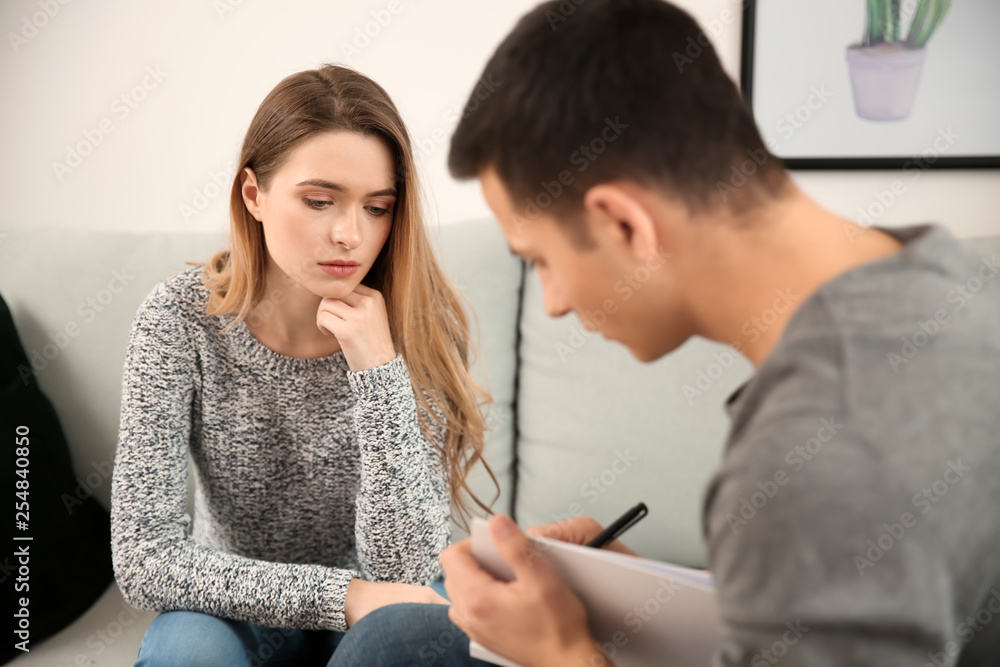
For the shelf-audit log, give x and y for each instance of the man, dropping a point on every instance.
(608, 143)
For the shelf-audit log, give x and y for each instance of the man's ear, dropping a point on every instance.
(251, 192)
(618, 212)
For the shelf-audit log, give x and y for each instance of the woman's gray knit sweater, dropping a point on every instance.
(308, 474)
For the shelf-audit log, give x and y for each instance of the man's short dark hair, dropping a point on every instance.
(588, 91)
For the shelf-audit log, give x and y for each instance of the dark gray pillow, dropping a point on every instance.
(69, 555)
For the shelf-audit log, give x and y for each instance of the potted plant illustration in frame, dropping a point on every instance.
(885, 67)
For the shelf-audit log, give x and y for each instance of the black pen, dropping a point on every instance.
(623, 523)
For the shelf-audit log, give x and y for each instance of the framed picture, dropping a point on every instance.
(869, 84)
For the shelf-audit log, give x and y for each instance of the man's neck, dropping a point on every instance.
(761, 271)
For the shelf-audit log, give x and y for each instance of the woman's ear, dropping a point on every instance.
(251, 192)
(619, 215)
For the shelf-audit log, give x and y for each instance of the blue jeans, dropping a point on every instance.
(404, 635)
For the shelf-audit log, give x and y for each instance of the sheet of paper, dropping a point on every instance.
(477, 650)
(642, 612)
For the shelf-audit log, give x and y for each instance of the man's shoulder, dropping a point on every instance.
(933, 278)
(846, 487)
(880, 363)
(928, 314)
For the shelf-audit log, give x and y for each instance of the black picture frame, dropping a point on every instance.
(749, 37)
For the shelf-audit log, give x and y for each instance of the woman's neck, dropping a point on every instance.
(285, 320)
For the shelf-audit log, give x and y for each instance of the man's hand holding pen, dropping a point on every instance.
(535, 619)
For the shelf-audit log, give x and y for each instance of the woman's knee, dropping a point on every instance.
(194, 639)
(404, 634)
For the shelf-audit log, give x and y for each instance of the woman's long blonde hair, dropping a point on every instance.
(428, 323)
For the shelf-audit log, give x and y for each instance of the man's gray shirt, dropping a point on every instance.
(854, 519)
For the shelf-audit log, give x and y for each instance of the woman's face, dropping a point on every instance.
(327, 211)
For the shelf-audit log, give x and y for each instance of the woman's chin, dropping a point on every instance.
(332, 288)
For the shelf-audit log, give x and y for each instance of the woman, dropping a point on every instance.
(317, 373)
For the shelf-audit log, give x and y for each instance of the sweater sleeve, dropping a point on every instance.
(403, 505)
(157, 564)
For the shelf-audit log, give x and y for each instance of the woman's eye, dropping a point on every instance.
(318, 204)
(377, 211)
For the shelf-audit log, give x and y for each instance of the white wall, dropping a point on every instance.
(216, 59)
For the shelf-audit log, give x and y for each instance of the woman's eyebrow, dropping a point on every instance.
(320, 183)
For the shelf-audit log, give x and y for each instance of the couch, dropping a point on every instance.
(578, 425)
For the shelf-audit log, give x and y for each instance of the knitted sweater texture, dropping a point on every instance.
(308, 474)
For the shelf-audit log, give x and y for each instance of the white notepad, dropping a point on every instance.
(644, 612)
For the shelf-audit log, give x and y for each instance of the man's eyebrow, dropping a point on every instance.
(321, 183)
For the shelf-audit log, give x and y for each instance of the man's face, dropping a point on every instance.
(607, 287)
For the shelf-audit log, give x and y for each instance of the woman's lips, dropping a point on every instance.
(340, 268)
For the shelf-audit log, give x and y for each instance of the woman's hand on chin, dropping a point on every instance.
(364, 597)
(361, 325)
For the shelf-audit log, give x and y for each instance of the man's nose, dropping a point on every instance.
(555, 304)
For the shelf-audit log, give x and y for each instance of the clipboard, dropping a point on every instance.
(643, 612)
